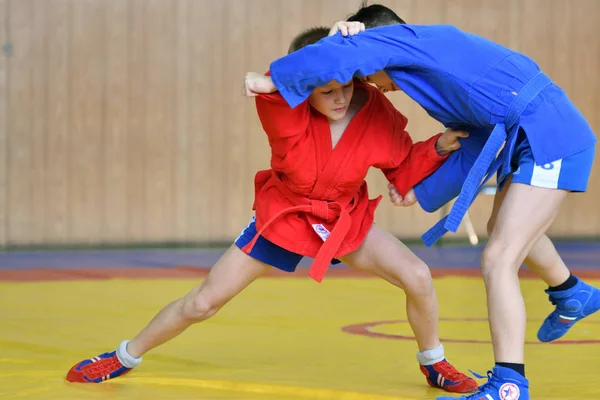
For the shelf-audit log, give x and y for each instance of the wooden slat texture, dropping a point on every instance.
(21, 183)
(4, 41)
(183, 108)
(160, 90)
(58, 197)
(137, 131)
(199, 166)
(123, 121)
(116, 109)
(38, 134)
(87, 77)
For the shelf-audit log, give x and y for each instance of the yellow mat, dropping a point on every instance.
(281, 339)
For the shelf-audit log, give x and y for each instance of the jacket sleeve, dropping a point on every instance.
(410, 162)
(341, 58)
(278, 119)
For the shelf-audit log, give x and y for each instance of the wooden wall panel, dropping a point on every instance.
(39, 78)
(234, 127)
(182, 156)
(160, 123)
(137, 137)
(580, 60)
(201, 167)
(4, 41)
(116, 115)
(58, 196)
(123, 121)
(217, 102)
(21, 181)
(87, 119)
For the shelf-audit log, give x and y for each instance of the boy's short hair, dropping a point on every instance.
(375, 15)
(309, 36)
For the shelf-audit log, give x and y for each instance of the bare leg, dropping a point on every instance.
(234, 271)
(543, 259)
(385, 256)
(522, 219)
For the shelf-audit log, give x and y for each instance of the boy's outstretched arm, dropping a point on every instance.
(278, 120)
(255, 84)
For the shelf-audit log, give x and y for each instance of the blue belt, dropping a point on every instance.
(489, 162)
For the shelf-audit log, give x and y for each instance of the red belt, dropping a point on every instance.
(325, 210)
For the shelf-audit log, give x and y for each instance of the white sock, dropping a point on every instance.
(125, 358)
(429, 357)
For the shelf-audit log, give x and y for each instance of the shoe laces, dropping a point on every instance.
(483, 388)
(449, 372)
(102, 367)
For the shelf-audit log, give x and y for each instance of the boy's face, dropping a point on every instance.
(333, 99)
(382, 80)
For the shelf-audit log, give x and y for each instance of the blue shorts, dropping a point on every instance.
(571, 173)
(268, 252)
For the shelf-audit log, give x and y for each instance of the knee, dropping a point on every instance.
(199, 307)
(498, 258)
(420, 282)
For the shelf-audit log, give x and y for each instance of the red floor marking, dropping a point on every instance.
(364, 329)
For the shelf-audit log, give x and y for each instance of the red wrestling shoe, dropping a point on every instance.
(444, 376)
(98, 369)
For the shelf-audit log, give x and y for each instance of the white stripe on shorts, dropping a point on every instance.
(546, 175)
(253, 219)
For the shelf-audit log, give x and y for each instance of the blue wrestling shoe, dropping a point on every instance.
(572, 305)
(503, 384)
